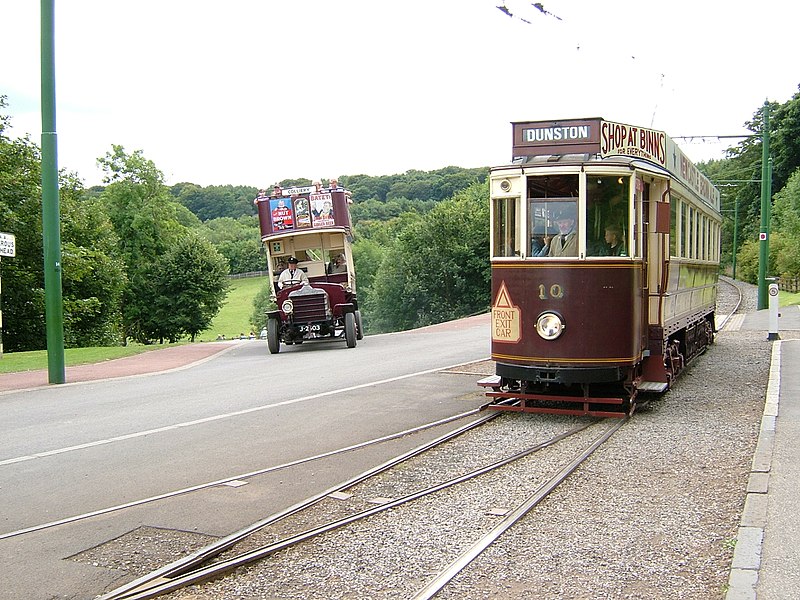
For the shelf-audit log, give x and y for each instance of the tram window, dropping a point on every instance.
(703, 237)
(686, 234)
(673, 224)
(552, 211)
(505, 227)
(607, 215)
(554, 228)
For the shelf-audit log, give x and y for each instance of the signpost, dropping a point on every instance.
(8, 244)
(8, 247)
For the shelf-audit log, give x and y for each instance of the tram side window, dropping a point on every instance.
(607, 215)
(686, 233)
(505, 227)
(552, 215)
(673, 225)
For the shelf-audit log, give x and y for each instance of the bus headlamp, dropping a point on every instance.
(549, 325)
(287, 307)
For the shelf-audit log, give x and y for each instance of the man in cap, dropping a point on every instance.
(566, 242)
(292, 275)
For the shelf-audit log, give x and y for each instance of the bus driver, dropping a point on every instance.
(292, 275)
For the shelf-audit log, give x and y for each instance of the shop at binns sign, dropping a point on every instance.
(8, 245)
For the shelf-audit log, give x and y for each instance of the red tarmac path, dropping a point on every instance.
(152, 361)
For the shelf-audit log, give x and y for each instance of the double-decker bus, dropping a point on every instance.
(309, 229)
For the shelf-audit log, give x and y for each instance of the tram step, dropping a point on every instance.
(652, 386)
(490, 381)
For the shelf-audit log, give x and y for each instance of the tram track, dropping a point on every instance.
(194, 569)
(190, 562)
(245, 476)
(737, 303)
(475, 549)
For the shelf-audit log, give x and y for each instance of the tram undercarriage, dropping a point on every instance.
(581, 399)
(597, 392)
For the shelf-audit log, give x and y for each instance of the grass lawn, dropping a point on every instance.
(233, 319)
(787, 298)
(37, 359)
(234, 316)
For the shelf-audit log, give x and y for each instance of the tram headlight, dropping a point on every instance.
(549, 325)
(287, 307)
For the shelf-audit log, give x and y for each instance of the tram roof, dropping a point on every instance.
(584, 140)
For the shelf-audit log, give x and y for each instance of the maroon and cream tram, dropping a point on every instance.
(309, 227)
(605, 256)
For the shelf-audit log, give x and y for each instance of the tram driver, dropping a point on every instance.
(292, 275)
(565, 243)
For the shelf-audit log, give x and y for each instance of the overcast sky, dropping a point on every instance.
(249, 92)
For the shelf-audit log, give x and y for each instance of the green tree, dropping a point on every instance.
(190, 284)
(262, 303)
(216, 201)
(238, 240)
(21, 215)
(786, 226)
(438, 269)
(92, 276)
(145, 220)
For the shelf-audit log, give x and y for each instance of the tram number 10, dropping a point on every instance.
(555, 291)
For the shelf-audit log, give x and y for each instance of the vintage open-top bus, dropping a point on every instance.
(310, 225)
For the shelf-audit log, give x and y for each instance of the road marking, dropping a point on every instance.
(235, 478)
(211, 419)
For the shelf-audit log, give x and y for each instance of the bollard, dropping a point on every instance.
(773, 312)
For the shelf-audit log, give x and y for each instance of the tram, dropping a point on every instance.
(605, 248)
(308, 227)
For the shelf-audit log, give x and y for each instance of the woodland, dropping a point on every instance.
(147, 262)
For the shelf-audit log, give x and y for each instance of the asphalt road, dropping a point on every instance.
(75, 449)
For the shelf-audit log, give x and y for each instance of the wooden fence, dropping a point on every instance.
(789, 284)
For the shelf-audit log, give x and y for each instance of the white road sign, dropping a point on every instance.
(8, 244)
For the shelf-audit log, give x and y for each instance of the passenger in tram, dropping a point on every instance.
(538, 246)
(292, 275)
(565, 243)
(614, 244)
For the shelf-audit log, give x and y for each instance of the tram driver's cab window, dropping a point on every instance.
(553, 214)
(607, 218)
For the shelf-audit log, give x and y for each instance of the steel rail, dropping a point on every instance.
(458, 565)
(735, 308)
(163, 585)
(264, 471)
(206, 553)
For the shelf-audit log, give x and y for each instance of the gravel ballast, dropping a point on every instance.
(653, 513)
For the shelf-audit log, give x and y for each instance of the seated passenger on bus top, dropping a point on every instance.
(338, 264)
(292, 275)
(614, 245)
(565, 243)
